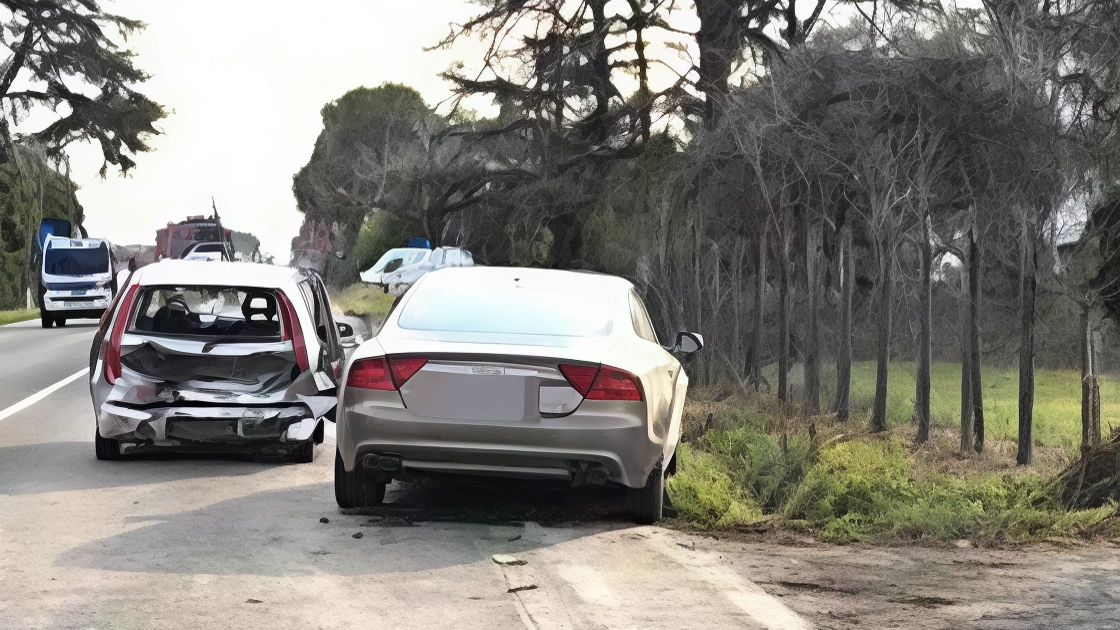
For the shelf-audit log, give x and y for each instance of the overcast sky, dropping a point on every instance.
(244, 82)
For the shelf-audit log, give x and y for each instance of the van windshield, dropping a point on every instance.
(77, 261)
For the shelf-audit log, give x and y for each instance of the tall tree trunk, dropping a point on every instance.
(1086, 384)
(783, 318)
(844, 355)
(882, 366)
(1095, 433)
(974, 345)
(812, 336)
(921, 393)
(1027, 288)
(967, 436)
(759, 310)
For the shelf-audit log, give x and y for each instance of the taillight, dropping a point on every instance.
(384, 373)
(111, 354)
(370, 374)
(293, 331)
(603, 382)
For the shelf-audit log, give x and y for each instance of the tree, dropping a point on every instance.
(63, 59)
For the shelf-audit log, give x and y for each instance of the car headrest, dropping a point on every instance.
(259, 303)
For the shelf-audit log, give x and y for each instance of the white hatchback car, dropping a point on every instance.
(219, 355)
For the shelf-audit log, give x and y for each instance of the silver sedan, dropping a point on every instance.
(526, 373)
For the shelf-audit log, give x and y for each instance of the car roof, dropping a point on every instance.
(487, 277)
(217, 273)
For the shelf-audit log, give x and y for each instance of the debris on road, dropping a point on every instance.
(358, 535)
(324, 520)
(253, 601)
(509, 561)
(518, 589)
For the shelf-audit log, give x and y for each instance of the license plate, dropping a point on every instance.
(77, 292)
(74, 304)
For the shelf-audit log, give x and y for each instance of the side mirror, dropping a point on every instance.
(688, 343)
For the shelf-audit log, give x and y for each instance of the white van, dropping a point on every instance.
(76, 281)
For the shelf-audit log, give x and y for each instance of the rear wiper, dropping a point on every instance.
(221, 340)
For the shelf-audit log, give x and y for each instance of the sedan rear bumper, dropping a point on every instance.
(610, 436)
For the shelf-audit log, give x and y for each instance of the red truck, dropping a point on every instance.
(173, 239)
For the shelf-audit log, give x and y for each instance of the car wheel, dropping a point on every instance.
(651, 498)
(60, 322)
(45, 319)
(355, 489)
(303, 453)
(107, 449)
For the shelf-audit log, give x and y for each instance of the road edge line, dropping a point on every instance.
(41, 394)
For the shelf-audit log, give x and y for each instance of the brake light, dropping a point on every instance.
(293, 331)
(403, 368)
(603, 382)
(111, 348)
(384, 373)
(370, 374)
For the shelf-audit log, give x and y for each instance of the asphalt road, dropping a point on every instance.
(174, 542)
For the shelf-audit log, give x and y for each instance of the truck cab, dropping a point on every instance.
(76, 279)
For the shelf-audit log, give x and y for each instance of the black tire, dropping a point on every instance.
(302, 453)
(45, 319)
(355, 489)
(60, 321)
(106, 448)
(651, 498)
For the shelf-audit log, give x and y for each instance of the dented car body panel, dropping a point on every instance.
(173, 365)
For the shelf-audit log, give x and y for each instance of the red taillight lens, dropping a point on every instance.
(602, 383)
(580, 377)
(615, 384)
(293, 331)
(111, 347)
(404, 367)
(384, 373)
(370, 374)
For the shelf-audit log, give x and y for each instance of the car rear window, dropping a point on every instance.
(557, 310)
(209, 311)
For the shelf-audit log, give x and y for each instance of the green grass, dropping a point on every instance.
(21, 315)
(362, 299)
(1057, 403)
(747, 459)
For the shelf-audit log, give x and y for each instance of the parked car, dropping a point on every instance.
(529, 373)
(393, 260)
(218, 355)
(404, 277)
(211, 250)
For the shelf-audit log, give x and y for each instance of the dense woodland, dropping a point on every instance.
(922, 182)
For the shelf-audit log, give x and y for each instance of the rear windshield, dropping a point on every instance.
(209, 312)
(212, 247)
(85, 261)
(560, 311)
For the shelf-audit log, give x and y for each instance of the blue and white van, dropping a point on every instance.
(76, 280)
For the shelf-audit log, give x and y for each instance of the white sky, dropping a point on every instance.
(244, 82)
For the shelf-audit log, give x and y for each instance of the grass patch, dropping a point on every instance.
(20, 315)
(361, 299)
(748, 459)
(1057, 406)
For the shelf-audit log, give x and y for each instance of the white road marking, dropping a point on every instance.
(34, 398)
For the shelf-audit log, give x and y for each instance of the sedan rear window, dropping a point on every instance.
(563, 311)
(209, 311)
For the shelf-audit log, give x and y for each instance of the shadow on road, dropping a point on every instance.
(63, 466)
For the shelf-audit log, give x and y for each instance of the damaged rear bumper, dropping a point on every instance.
(234, 425)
